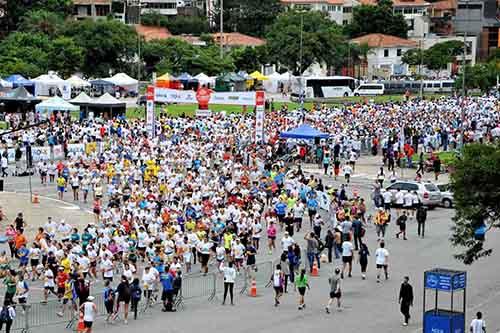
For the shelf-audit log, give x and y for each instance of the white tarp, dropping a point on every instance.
(47, 82)
(124, 81)
(273, 82)
(77, 82)
(55, 104)
(205, 79)
(166, 95)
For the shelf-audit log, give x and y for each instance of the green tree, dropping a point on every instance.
(246, 58)
(178, 25)
(413, 57)
(322, 41)
(15, 10)
(481, 76)
(43, 21)
(109, 45)
(66, 57)
(380, 18)
(438, 56)
(249, 17)
(168, 55)
(25, 53)
(476, 192)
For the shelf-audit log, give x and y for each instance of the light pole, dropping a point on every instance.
(139, 45)
(464, 64)
(221, 29)
(420, 69)
(302, 92)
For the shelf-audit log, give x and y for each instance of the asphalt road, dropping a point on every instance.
(367, 306)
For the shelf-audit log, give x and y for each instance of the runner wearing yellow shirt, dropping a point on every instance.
(61, 185)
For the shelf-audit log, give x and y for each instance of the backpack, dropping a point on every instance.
(136, 292)
(4, 315)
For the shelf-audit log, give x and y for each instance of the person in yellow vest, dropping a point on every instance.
(381, 220)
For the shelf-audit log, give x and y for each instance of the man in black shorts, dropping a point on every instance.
(335, 291)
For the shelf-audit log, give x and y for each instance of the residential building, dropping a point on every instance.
(441, 14)
(162, 7)
(479, 18)
(91, 9)
(384, 59)
(339, 11)
(414, 12)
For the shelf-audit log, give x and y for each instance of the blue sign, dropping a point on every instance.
(445, 282)
(444, 322)
(459, 281)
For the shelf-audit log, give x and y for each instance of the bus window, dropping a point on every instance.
(437, 85)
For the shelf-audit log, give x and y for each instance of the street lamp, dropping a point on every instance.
(464, 63)
(221, 29)
(302, 92)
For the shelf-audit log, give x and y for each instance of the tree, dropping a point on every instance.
(246, 58)
(15, 10)
(440, 55)
(110, 46)
(323, 41)
(178, 25)
(475, 183)
(413, 57)
(368, 19)
(249, 17)
(42, 21)
(66, 57)
(481, 76)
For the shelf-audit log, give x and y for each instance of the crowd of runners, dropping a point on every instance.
(201, 196)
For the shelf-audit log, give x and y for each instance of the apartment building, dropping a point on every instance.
(339, 11)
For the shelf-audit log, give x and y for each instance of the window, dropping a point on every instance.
(470, 6)
(398, 52)
(331, 8)
(395, 187)
(101, 10)
(347, 9)
(345, 22)
(411, 24)
(410, 187)
(408, 11)
(386, 53)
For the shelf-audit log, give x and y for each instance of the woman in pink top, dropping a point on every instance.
(10, 234)
(271, 236)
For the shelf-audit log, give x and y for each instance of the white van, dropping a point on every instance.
(369, 89)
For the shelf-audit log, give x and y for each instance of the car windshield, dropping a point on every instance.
(431, 187)
(444, 187)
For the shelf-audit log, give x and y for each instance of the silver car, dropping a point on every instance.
(428, 193)
(446, 195)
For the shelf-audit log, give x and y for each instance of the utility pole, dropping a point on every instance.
(221, 29)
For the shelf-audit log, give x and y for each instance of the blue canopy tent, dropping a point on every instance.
(101, 87)
(55, 103)
(188, 81)
(20, 81)
(305, 132)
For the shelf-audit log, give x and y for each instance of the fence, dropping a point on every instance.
(194, 286)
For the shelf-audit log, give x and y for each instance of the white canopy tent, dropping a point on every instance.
(204, 79)
(124, 81)
(82, 98)
(77, 82)
(272, 84)
(49, 83)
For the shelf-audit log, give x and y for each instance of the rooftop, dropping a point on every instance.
(150, 33)
(444, 5)
(381, 40)
(399, 3)
(237, 39)
(92, 2)
(307, 2)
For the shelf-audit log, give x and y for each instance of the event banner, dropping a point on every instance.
(150, 111)
(259, 116)
(165, 95)
(38, 153)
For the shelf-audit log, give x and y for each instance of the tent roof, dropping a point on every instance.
(48, 79)
(304, 131)
(5, 84)
(258, 76)
(122, 79)
(55, 103)
(275, 76)
(19, 94)
(19, 80)
(82, 98)
(231, 77)
(101, 82)
(186, 77)
(107, 100)
(202, 76)
(76, 81)
(166, 77)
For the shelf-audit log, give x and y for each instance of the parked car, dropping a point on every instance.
(428, 193)
(446, 195)
(369, 89)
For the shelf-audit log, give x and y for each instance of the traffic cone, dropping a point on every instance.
(35, 198)
(253, 289)
(81, 326)
(315, 271)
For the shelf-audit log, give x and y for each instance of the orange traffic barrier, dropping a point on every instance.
(253, 289)
(35, 198)
(315, 271)
(81, 326)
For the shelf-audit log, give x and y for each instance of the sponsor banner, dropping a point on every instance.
(58, 152)
(166, 95)
(203, 113)
(77, 149)
(259, 124)
(150, 110)
(40, 153)
(66, 91)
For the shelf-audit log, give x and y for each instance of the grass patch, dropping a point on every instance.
(446, 157)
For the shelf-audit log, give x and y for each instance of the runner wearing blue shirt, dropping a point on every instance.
(312, 207)
(280, 210)
(167, 280)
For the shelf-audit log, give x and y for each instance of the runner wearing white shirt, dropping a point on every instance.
(286, 241)
(382, 260)
(399, 200)
(478, 324)
(238, 252)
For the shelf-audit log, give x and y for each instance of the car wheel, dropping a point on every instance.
(447, 203)
(346, 94)
(357, 95)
